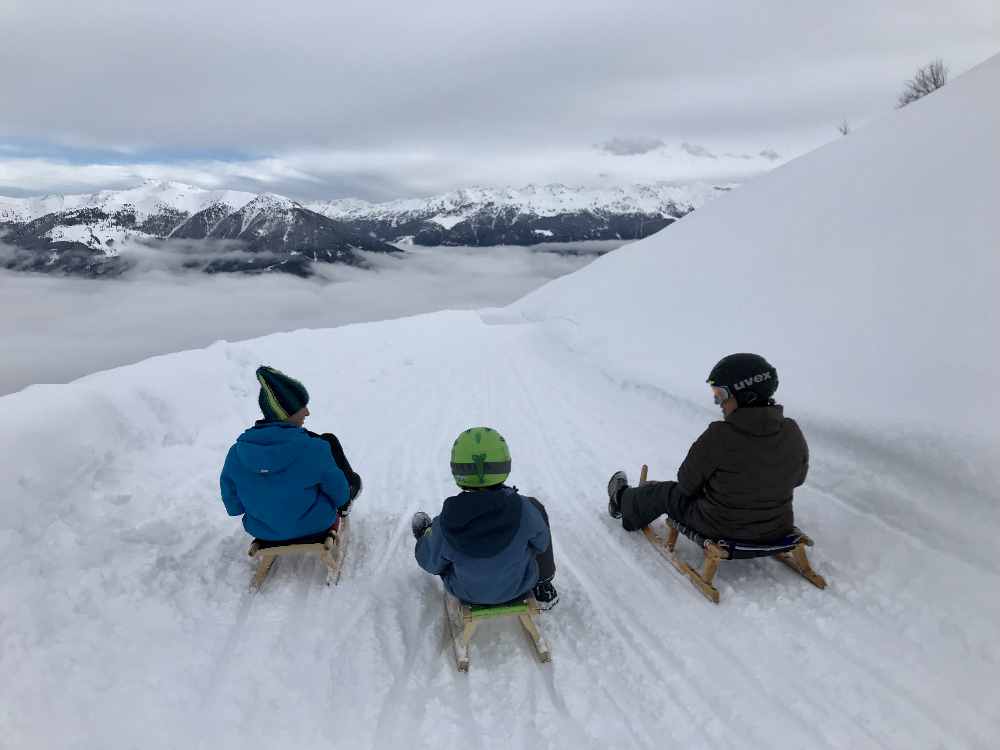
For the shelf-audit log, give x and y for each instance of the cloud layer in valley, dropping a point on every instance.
(57, 329)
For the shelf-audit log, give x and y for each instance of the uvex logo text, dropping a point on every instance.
(751, 381)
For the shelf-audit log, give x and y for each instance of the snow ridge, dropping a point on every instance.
(448, 209)
(145, 200)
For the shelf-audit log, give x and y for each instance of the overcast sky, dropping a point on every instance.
(395, 98)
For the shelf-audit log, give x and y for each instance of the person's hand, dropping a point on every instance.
(420, 524)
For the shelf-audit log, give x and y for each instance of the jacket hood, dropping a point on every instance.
(270, 447)
(481, 523)
(760, 420)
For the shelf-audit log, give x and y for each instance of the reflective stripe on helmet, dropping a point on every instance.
(489, 467)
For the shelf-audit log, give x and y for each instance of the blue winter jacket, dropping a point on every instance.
(484, 544)
(283, 482)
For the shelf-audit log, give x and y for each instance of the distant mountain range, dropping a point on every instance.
(226, 230)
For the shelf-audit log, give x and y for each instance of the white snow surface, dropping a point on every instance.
(146, 199)
(126, 621)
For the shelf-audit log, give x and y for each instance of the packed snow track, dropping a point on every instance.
(127, 621)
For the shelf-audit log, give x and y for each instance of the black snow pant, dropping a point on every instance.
(546, 560)
(353, 479)
(644, 504)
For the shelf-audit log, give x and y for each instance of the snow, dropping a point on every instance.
(872, 307)
(540, 200)
(146, 199)
(127, 621)
(268, 207)
(448, 221)
(94, 236)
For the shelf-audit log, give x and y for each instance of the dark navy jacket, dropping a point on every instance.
(283, 481)
(484, 544)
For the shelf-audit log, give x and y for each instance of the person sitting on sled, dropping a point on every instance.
(737, 480)
(490, 545)
(286, 481)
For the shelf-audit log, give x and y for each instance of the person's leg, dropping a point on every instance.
(546, 560)
(339, 458)
(644, 504)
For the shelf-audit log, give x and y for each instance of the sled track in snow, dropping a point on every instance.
(640, 659)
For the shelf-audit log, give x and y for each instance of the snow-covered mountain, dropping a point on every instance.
(148, 200)
(86, 234)
(526, 216)
(127, 614)
(272, 225)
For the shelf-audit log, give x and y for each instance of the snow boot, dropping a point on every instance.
(419, 524)
(617, 483)
(545, 594)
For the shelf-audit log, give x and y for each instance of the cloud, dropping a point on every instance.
(456, 82)
(384, 174)
(90, 325)
(631, 146)
(700, 151)
(770, 154)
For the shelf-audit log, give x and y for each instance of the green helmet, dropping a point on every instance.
(480, 458)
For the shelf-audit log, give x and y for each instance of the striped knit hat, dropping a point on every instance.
(280, 396)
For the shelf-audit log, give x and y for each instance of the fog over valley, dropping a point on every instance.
(56, 329)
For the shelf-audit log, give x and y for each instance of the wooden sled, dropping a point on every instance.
(791, 551)
(329, 545)
(463, 619)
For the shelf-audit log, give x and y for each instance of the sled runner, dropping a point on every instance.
(791, 551)
(329, 545)
(463, 619)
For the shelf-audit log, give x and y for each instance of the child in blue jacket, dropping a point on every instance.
(489, 545)
(285, 481)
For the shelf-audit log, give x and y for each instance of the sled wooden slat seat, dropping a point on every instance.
(489, 611)
(790, 550)
(736, 550)
(329, 545)
(464, 618)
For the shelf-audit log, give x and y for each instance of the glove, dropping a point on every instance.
(420, 524)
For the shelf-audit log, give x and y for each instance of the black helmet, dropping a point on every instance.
(749, 378)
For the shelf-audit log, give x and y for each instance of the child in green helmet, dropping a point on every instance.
(490, 545)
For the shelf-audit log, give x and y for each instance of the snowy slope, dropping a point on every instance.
(126, 620)
(873, 303)
(134, 627)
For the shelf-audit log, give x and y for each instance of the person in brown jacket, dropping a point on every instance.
(737, 480)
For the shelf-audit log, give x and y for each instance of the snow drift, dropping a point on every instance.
(874, 302)
(877, 305)
(125, 619)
